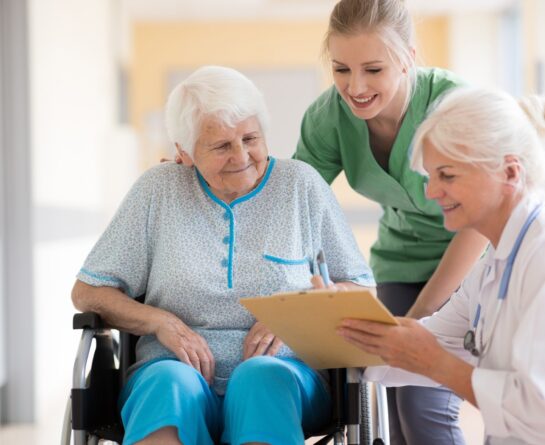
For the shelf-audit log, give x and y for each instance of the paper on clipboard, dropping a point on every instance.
(306, 322)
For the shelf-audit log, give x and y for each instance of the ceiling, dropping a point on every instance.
(284, 9)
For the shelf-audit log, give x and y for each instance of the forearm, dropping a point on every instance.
(454, 373)
(462, 253)
(118, 310)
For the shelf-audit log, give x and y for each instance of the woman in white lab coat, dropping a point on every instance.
(484, 155)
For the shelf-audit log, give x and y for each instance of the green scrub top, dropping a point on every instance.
(411, 237)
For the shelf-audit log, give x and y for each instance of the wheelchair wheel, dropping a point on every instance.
(366, 415)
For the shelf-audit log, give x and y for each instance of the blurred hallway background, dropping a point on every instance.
(82, 89)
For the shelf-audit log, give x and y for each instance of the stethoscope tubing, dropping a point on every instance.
(470, 337)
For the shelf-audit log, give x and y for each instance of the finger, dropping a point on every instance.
(205, 365)
(317, 282)
(275, 346)
(361, 337)
(369, 327)
(366, 343)
(183, 357)
(264, 344)
(194, 359)
(253, 339)
(250, 342)
(178, 159)
(250, 345)
(207, 360)
(212, 364)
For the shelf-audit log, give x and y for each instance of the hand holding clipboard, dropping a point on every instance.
(307, 322)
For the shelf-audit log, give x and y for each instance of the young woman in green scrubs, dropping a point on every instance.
(364, 125)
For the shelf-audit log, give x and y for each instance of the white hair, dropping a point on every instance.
(482, 127)
(212, 91)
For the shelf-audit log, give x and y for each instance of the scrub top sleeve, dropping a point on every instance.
(345, 261)
(314, 150)
(120, 257)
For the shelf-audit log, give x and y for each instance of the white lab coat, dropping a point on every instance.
(509, 381)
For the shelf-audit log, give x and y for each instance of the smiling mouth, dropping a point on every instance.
(449, 208)
(239, 170)
(363, 102)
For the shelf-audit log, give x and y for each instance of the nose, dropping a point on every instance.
(239, 153)
(432, 189)
(356, 84)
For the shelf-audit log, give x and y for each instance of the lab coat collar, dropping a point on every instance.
(514, 225)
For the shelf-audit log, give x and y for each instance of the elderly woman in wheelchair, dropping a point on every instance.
(229, 222)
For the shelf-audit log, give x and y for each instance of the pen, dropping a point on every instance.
(322, 266)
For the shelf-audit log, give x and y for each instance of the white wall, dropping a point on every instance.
(474, 47)
(81, 163)
(487, 48)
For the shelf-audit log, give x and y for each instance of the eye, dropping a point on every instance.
(341, 69)
(374, 70)
(249, 139)
(222, 147)
(446, 177)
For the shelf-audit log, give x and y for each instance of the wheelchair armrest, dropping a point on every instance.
(88, 320)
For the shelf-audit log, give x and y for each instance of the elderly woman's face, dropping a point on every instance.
(231, 160)
(468, 195)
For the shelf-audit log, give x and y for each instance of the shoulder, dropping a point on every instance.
(296, 171)
(168, 173)
(297, 178)
(431, 83)
(162, 178)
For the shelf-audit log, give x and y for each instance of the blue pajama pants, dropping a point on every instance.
(268, 399)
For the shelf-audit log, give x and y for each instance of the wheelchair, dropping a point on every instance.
(359, 410)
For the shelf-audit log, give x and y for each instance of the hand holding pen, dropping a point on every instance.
(321, 279)
(322, 268)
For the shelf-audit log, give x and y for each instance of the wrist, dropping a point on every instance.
(158, 318)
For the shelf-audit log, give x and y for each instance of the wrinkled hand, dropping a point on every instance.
(260, 341)
(409, 346)
(318, 283)
(187, 345)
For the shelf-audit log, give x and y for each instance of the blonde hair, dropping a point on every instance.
(392, 22)
(482, 127)
(212, 90)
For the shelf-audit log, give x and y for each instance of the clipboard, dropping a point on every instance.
(306, 321)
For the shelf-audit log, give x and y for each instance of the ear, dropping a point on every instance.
(186, 159)
(512, 171)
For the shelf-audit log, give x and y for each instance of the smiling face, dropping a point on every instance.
(470, 196)
(365, 75)
(231, 160)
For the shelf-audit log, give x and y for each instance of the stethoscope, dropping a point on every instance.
(470, 337)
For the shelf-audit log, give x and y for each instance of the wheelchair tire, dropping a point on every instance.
(366, 415)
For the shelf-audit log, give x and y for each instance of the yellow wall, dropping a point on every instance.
(160, 48)
(432, 41)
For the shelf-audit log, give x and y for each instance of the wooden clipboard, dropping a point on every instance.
(306, 321)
